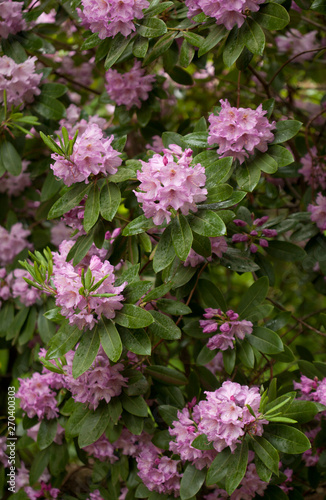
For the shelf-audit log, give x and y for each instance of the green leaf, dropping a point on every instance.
(117, 48)
(319, 6)
(285, 130)
(181, 236)
(197, 139)
(93, 426)
(168, 413)
(9, 158)
(265, 340)
(194, 39)
(40, 462)
(267, 453)
(248, 175)
(81, 247)
(171, 306)
(207, 223)
(187, 53)
(246, 353)
(64, 340)
(164, 253)
(69, 200)
(210, 295)
(191, 482)
(152, 27)
(201, 443)
(287, 439)
(272, 16)
(233, 46)
(92, 207)
(46, 433)
(156, 8)
(253, 37)
(50, 187)
(138, 225)
(140, 47)
(164, 327)
(76, 420)
(136, 341)
(173, 138)
(229, 357)
(181, 76)
(202, 245)
(53, 89)
(134, 291)
(263, 472)
(132, 316)
(237, 467)
(265, 162)
(284, 250)
(86, 352)
(219, 193)
(161, 46)
(215, 35)
(158, 292)
(110, 339)
(91, 42)
(282, 156)
(253, 296)
(134, 405)
(219, 467)
(50, 108)
(109, 201)
(301, 411)
(166, 375)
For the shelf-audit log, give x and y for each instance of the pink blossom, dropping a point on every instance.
(13, 242)
(92, 154)
(224, 417)
(101, 381)
(11, 19)
(14, 185)
(19, 80)
(129, 88)
(294, 42)
(158, 473)
(102, 449)
(46, 489)
(239, 131)
(96, 495)
(170, 181)
(226, 12)
(313, 170)
(157, 145)
(27, 294)
(318, 212)
(228, 325)
(84, 309)
(36, 396)
(109, 17)
(74, 123)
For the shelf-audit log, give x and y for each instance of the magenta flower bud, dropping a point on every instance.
(261, 221)
(239, 238)
(270, 233)
(263, 243)
(253, 233)
(239, 222)
(253, 248)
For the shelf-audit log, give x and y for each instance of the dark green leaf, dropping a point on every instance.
(233, 46)
(46, 433)
(219, 467)
(166, 375)
(40, 461)
(237, 467)
(152, 27)
(92, 207)
(136, 341)
(118, 46)
(284, 250)
(138, 225)
(301, 411)
(281, 155)
(181, 236)
(181, 76)
(265, 340)
(285, 130)
(161, 46)
(93, 426)
(287, 439)
(86, 352)
(253, 37)
(207, 223)
(64, 340)
(134, 405)
(110, 200)
(9, 158)
(69, 200)
(50, 108)
(215, 35)
(164, 327)
(110, 339)
(53, 89)
(267, 453)
(229, 357)
(191, 482)
(210, 295)
(173, 307)
(253, 296)
(168, 413)
(132, 316)
(246, 353)
(164, 253)
(272, 16)
(248, 175)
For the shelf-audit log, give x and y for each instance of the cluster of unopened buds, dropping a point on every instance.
(228, 325)
(255, 235)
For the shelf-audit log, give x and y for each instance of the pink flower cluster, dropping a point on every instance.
(11, 18)
(239, 131)
(312, 389)
(225, 12)
(228, 325)
(219, 246)
(14, 185)
(295, 42)
(185, 431)
(257, 233)
(313, 170)
(102, 449)
(170, 181)
(109, 17)
(36, 396)
(318, 212)
(19, 80)
(92, 154)
(311, 457)
(224, 417)
(46, 491)
(101, 381)
(84, 309)
(13, 242)
(14, 285)
(129, 88)
(96, 495)
(250, 486)
(158, 472)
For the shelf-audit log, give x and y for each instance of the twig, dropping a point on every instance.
(292, 59)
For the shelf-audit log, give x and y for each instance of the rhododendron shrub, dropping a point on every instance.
(162, 250)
